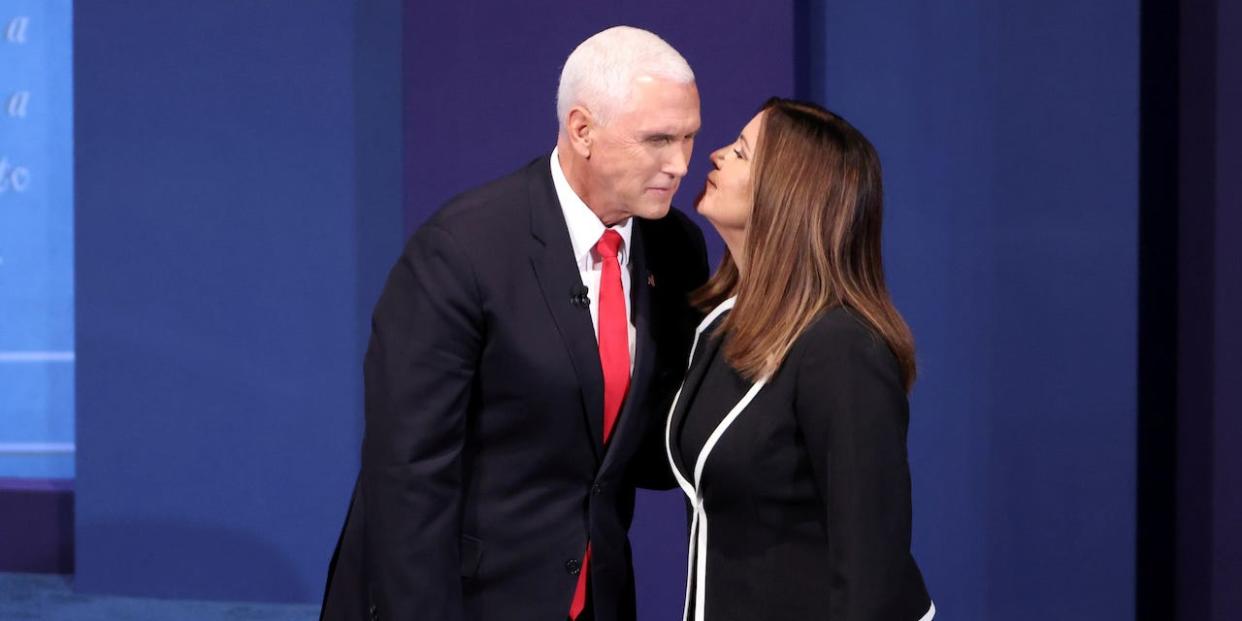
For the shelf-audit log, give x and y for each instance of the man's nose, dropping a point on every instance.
(678, 162)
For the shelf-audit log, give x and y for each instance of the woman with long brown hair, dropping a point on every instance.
(789, 432)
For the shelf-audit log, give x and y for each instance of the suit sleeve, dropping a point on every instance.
(425, 342)
(852, 409)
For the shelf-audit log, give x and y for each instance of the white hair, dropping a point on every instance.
(599, 74)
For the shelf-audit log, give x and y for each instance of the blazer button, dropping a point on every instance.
(573, 566)
(596, 489)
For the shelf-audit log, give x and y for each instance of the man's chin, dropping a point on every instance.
(654, 212)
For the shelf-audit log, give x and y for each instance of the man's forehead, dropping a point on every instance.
(664, 106)
(663, 91)
(671, 123)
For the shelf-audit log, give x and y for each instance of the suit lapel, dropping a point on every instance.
(644, 346)
(552, 258)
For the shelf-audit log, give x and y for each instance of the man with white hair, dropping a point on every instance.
(523, 355)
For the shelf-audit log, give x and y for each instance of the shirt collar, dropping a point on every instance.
(585, 227)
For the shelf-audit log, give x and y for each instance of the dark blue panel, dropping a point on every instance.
(221, 272)
(480, 89)
(480, 101)
(481, 85)
(1227, 478)
(1196, 235)
(1009, 137)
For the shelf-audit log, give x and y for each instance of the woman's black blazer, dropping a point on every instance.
(801, 496)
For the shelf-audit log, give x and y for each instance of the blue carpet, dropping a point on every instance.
(40, 597)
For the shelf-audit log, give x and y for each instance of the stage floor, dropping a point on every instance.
(48, 597)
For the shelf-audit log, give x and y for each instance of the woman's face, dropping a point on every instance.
(728, 198)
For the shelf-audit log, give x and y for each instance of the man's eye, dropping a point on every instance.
(738, 153)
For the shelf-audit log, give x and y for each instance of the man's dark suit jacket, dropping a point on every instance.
(483, 467)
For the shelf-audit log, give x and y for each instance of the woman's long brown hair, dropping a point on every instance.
(812, 242)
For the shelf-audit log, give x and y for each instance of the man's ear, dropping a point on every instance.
(580, 126)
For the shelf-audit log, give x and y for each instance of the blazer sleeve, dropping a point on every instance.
(852, 408)
(425, 340)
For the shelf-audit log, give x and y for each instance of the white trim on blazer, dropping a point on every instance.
(697, 557)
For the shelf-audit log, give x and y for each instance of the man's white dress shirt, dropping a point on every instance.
(585, 229)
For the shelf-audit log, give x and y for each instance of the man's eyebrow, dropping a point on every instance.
(745, 143)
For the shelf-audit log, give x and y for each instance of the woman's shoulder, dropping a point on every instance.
(841, 325)
(841, 351)
(841, 334)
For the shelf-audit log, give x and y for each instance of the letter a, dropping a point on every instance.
(17, 30)
(17, 104)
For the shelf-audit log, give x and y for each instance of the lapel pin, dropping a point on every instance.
(651, 280)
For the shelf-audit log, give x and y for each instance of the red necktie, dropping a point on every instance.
(614, 333)
(614, 360)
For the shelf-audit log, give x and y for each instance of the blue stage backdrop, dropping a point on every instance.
(237, 208)
(36, 239)
(1009, 132)
(238, 174)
